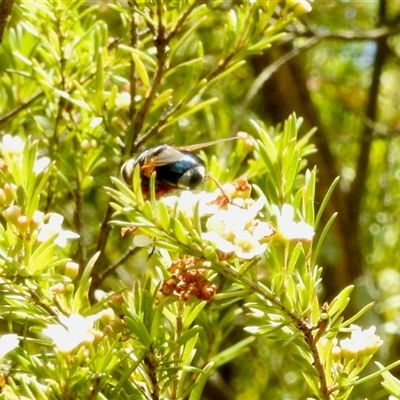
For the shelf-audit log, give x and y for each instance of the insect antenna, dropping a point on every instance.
(226, 197)
(198, 146)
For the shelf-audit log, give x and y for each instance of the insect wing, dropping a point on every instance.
(163, 155)
(198, 146)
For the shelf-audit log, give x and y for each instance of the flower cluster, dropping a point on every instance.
(71, 331)
(359, 345)
(53, 227)
(14, 146)
(37, 223)
(187, 282)
(234, 222)
(239, 231)
(350, 355)
(231, 217)
(288, 227)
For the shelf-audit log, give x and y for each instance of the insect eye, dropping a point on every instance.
(192, 177)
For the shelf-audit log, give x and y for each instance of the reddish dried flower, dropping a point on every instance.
(222, 200)
(128, 229)
(242, 185)
(188, 283)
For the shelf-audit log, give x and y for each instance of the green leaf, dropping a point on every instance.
(180, 232)
(141, 69)
(294, 258)
(139, 54)
(188, 35)
(312, 382)
(138, 329)
(164, 216)
(339, 303)
(42, 257)
(359, 314)
(80, 300)
(99, 85)
(191, 109)
(78, 102)
(187, 357)
(191, 313)
(232, 352)
(201, 380)
(321, 239)
(309, 197)
(325, 201)
(33, 204)
(390, 383)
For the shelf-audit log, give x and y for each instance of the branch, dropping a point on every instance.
(357, 190)
(101, 246)
(157, 126)
(271, 69)
(132, 106)
(98, 279)
(20, 108)
(5, 12)
(300, 323)
(161, 44)
(182, 19)
(382, 32)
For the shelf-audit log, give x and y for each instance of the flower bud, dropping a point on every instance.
(336, 353)
(23, 223)
(108, 330)
(117, 299)
(58, 288)
(36, 220)
(12, 214)
(3, 198)
(107, 316)
(9, 191)
(71, 269)
(85, 145)
(97, 336)
(299, 7)
(246, 138)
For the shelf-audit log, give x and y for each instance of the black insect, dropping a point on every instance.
(175, 167)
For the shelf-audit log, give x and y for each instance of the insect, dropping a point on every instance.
(175, 167)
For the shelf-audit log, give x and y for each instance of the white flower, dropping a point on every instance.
(288, 227)
(53, 227)
(360, 343)
(71, 331)
(237, 230)
(225, 246)
(123, 99)
(7, 343)
(247, 246)
(187, 201)
(13, 145)
(143, 240)
(41, 164)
